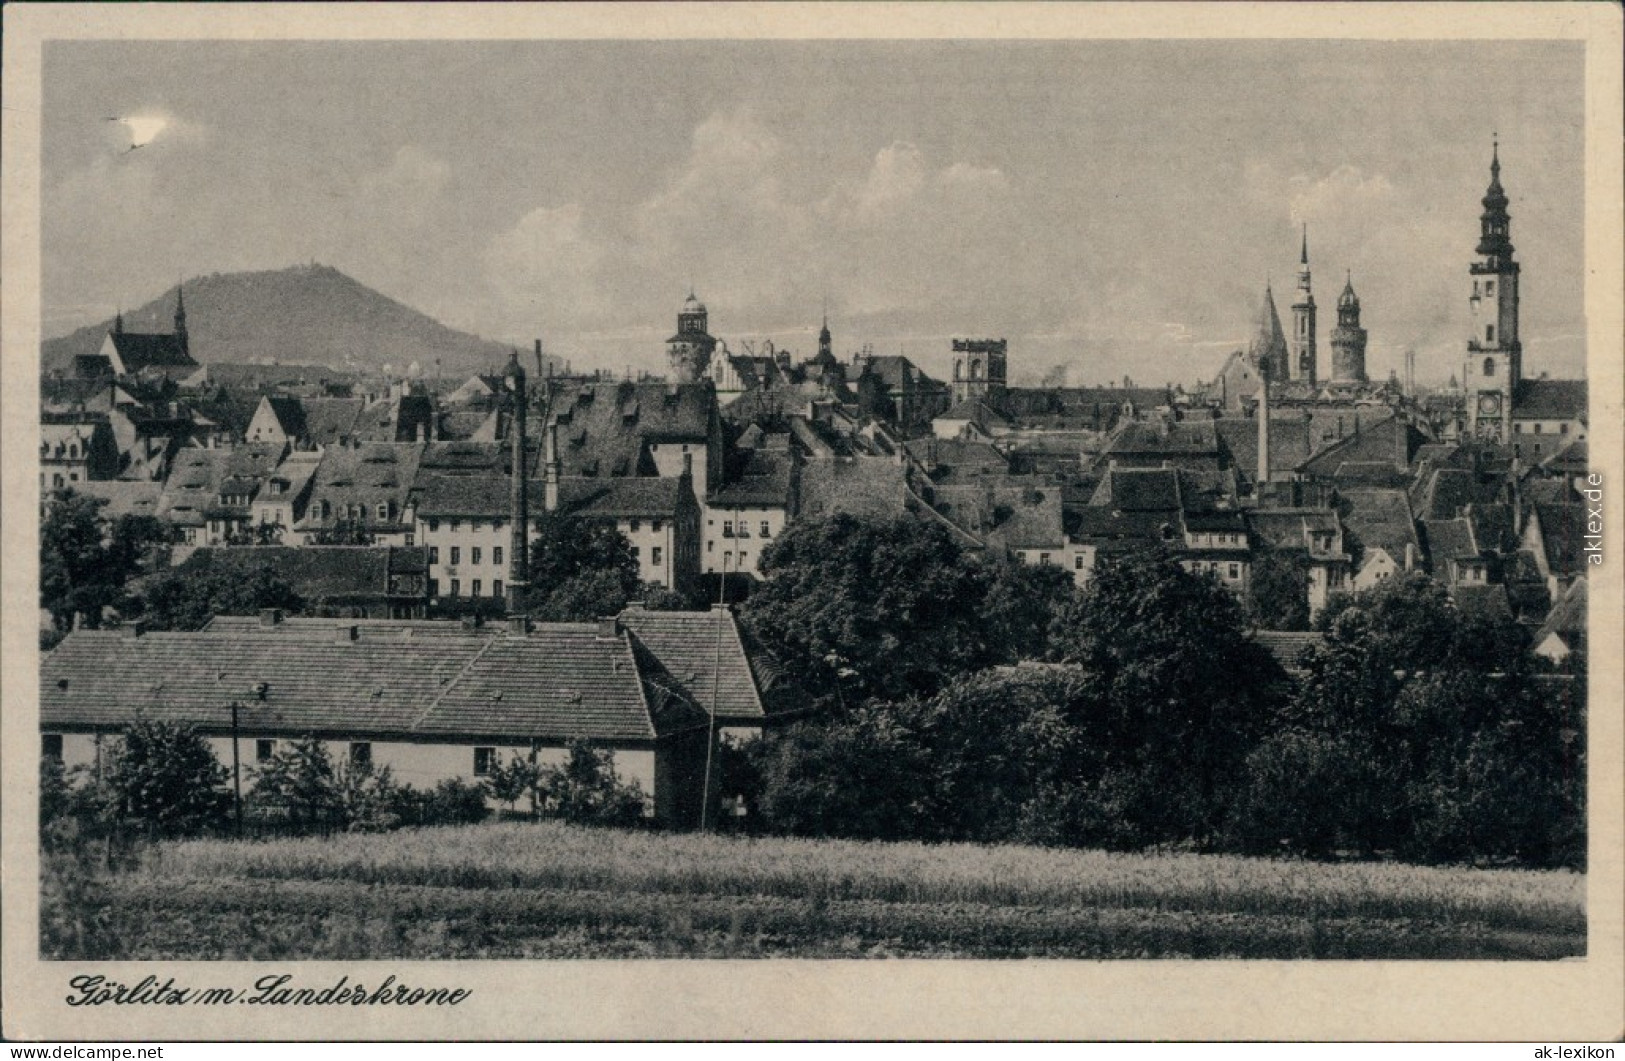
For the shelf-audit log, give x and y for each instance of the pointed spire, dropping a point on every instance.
(1303, 259)
(1268, 349)
(118, 322)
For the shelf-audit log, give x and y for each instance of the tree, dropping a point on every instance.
(1278, 590)
(510, 783)
(1177, 695)
(300, 783)
(1422, 732)
(580, 569)
(188, 599)
(586, 789)
(859, 608)
(166, 777)
(1020, 606)
(81, 573)
(856, 774)
(366, 797)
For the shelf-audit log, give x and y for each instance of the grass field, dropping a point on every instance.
(549, 890)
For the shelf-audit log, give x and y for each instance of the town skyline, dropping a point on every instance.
(917, 201)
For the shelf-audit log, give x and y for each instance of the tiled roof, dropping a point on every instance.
(1550, 399)
(330, 420)
(1139, 490)
(1289, 443)
(1444, 493)
(1098, 524)
(369, 475)
(1182, 438)
(974, 410)
(123, 498)
(1006, 510)
(1562, 530)
(1380, 517)
(765, 480)
(1572, 459)
(1488, 601)
(139, 351)
(645, 497)
(653, 411)
(1568, 616)
(1449, 539)
(289, 413)
(1369, 473)
(686, 646)
(859, 486)
(1373, 443)
(479, 496)
(1290, 528)
(559, 681)
(1288, 647)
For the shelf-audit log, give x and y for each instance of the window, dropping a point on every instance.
(409, 539)
(1043, 558)
(1475, 289)
(1489, 333)
(485, 760)
(1235, 570)
(496, 587)
(744, 558)
(383, 512)
(710, 547)
(51, 746)
(264, 750)
(496, 555)
(360, 753)
(456, 524)
(1562, 429)
(434, 587)
(1077, 562)
(456, 554)
(727, 528)
(473, 524)
(1489, 366)
(767, 532)
(474, 555)
(474, 591)
(637, 553)
(434, 524)
(1537, 428)
(655, 555)
(456, 588)
(655, 525)
(637, 525)
(434, 554)
(1489, 287)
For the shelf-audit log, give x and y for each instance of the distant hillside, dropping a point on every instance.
(307, 314)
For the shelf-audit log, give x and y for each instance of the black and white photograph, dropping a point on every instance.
(674, 502)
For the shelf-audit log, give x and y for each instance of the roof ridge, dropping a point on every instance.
(453, 682)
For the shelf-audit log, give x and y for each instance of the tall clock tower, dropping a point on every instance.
(1494, 356)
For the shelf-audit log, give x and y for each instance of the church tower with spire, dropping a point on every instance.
(1268, 350)
(1301, 364)
(1348, 339)
(180, 320)
(1494, 364)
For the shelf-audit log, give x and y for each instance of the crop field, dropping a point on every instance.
(549, 890)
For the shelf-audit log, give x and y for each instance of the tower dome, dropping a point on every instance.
(691, 304)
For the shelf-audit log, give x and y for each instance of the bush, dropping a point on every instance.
(585, 789)
(165, 778)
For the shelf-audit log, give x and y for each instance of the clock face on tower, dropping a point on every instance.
(1489, 404)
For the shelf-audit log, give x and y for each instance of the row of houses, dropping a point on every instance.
(431, 700)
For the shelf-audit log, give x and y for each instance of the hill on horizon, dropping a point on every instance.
(304, 314)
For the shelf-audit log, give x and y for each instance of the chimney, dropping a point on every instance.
(518, 498)
(347, 632)
(1410, 556)
(133, 628)
(1402, 449)
(518, 625)
(550, 499)
(609, 629)
(270, 617)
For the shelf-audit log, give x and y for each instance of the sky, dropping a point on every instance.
(1111, 208)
